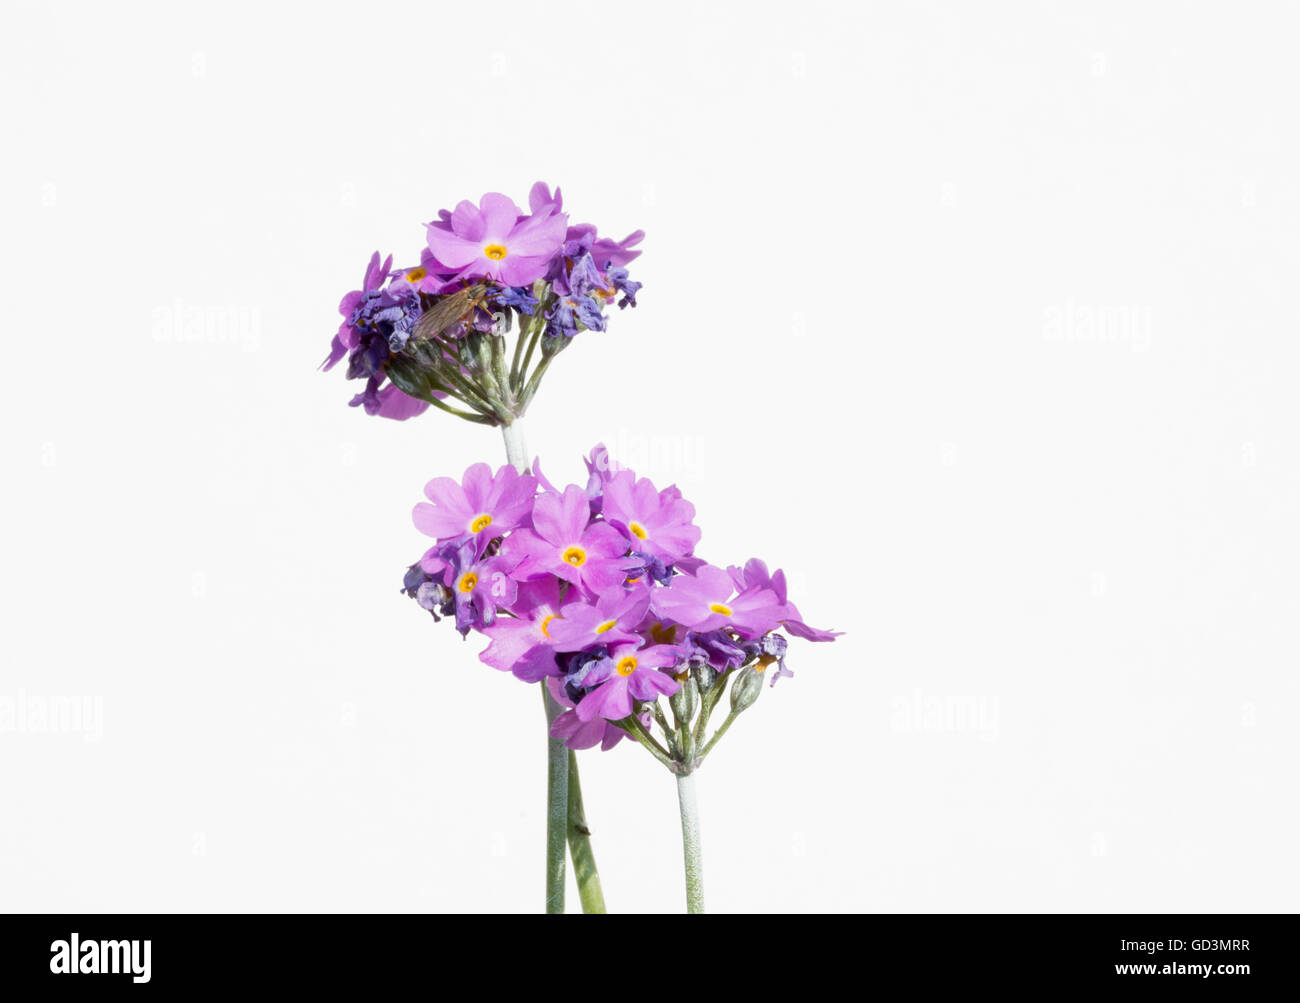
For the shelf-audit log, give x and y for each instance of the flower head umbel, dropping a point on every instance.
(598, 593)
(438, 333)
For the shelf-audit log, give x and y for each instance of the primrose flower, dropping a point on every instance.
(422, 278)
(565, 542)
(484, 506)
(580, 734)
(655, 523)
(478, 585)
(708, 599)
(522, 643)
(754, 575)
(613, 617)
(495, 240)
(629, 673)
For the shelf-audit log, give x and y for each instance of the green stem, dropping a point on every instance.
(718, 734)
(522, 327)
(707, 703)
(557, 808)
(584, 861)
(670, 733)
(528, 355)
(466, 390)
(534, 382)
(480, 418)
(634, 728)
(691, 855)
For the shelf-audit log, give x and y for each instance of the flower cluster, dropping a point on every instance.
(437, 331)
(596, 591)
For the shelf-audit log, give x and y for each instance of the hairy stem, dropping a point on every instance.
(584, 861)
(557, 808)
(691, 855)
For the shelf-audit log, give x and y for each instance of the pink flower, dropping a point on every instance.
(632, 674)
(484, 507)
(565, 543)
(523, 644)
(495, 240)
(657, 523)
(708, 600)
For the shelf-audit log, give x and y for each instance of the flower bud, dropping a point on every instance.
(685, 702)
(705, 677)
(747, 688)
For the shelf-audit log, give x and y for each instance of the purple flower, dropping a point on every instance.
(347, 337)
(520, 299)
(715, 648)
(522, 644)
(571, 313)
(579, 734)
(585, 277)
(478, 585)
(422, 278)
(618, 277)
(656, 523)
(708, 600)
(629, 673)
(484, 507)
(768, 650)
(754, 576)
(600, 468)
(565, 543)
(392, 403)
(542, 202)
(616, 254)
(495, 240)
(613, 617)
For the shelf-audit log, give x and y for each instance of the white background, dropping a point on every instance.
(979, 320)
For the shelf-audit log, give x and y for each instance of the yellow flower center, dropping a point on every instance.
(481, 523)
(467, 582)
(608, 625)
(717, 607)
(575, 556)
(547, 622)
(763, 662)
(495, 251)
(626, 665)
(637, 530)
(415, 275)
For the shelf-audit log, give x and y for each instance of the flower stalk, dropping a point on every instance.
(557, 809)
(566, 820)
(691, 854)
